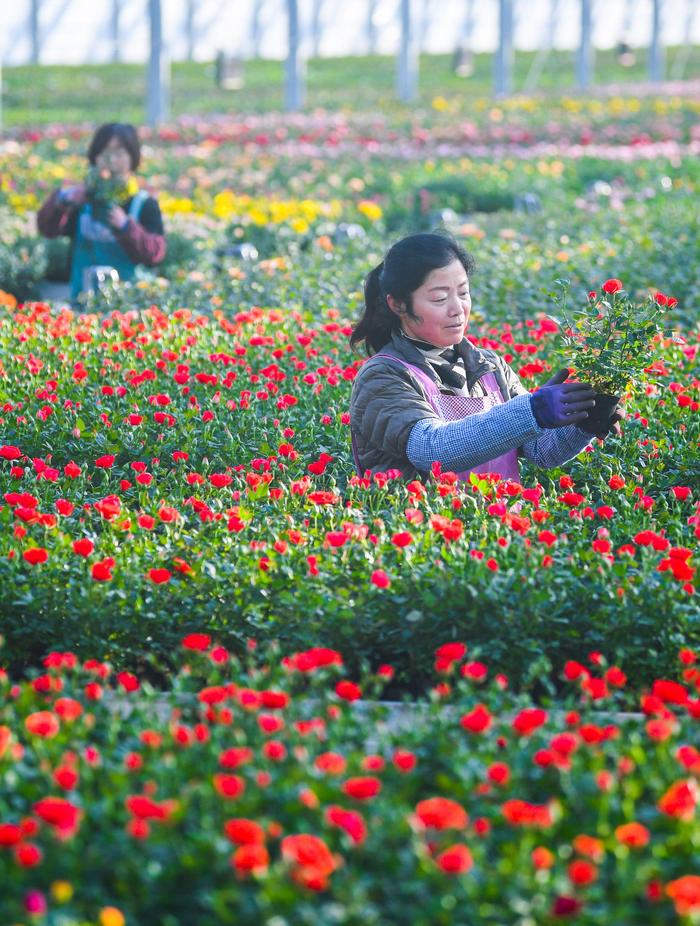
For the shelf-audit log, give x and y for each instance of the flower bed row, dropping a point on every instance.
(169, 468)
(266, 790)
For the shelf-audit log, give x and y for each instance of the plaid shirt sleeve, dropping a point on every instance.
(473, 440)
(551, 447)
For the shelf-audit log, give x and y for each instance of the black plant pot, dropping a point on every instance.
(599, 416)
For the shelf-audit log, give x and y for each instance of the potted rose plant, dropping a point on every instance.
(103, 191)
(608, 341)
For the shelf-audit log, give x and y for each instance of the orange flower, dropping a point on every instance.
(250, 857)
(542, 857)
(522, 813)
(634, 835)
(685, 894)
(42, 723)
(589, 846)
(680, 799)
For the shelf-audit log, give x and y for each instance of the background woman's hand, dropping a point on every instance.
(117, 217)
(74, 195)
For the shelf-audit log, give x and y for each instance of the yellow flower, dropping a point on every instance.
(440, 104)
(61, 891)
(300, 226)
(110, 916)
(370, 209)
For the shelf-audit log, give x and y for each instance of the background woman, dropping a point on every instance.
(121, 231)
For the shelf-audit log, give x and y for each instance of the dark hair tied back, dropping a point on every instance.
(404, 269)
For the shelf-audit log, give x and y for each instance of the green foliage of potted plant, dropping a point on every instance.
(609, 340)
(104, 189)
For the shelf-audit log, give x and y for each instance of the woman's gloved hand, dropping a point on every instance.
(557, 403)
(616, 416)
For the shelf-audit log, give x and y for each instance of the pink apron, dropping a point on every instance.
(454, 408)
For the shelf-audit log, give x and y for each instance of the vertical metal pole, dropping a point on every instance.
(158, 69)
(190, 29)
(255, 29)
(585, 51)
(407, 65)
(34, 30)
(316, 27)
(371, 27)
(656, 51)
(294, 77)
(116, 12)
(503, 76)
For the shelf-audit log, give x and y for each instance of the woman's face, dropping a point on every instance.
(441, 307)
(115, 158)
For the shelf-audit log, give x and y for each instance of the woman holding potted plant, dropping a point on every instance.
(111, 222)
(427, 394)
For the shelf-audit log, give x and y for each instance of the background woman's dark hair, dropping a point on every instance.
(127, 137)
(403, 270)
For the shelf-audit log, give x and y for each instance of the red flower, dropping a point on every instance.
(522, 813)
(403, 760)
(498, 773)
(348, 820)
(582, 872)
(102, 570)
(251, 857)
(455, 860)
(402, 539)
(36, 555)
(478, 720)
(244, 832)
(10, 834)
(231, 786)
(28, 855)
(566, 906)
(447, 654)
(528, 720)
(196, 641)
(612, 286)
(59, 813)
(105, 462)
(380, 579)
(83, 546)
(362, 788)
(311, 859)
(316, 658)
(348, 691)
(144, 808)
(8, 452)
(159, 576)
(441, 813)
(331, 763)
(236, 756)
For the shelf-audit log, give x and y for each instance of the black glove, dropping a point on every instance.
(602, 430)
(558, 403)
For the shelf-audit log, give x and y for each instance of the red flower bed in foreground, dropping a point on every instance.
(281, 787)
